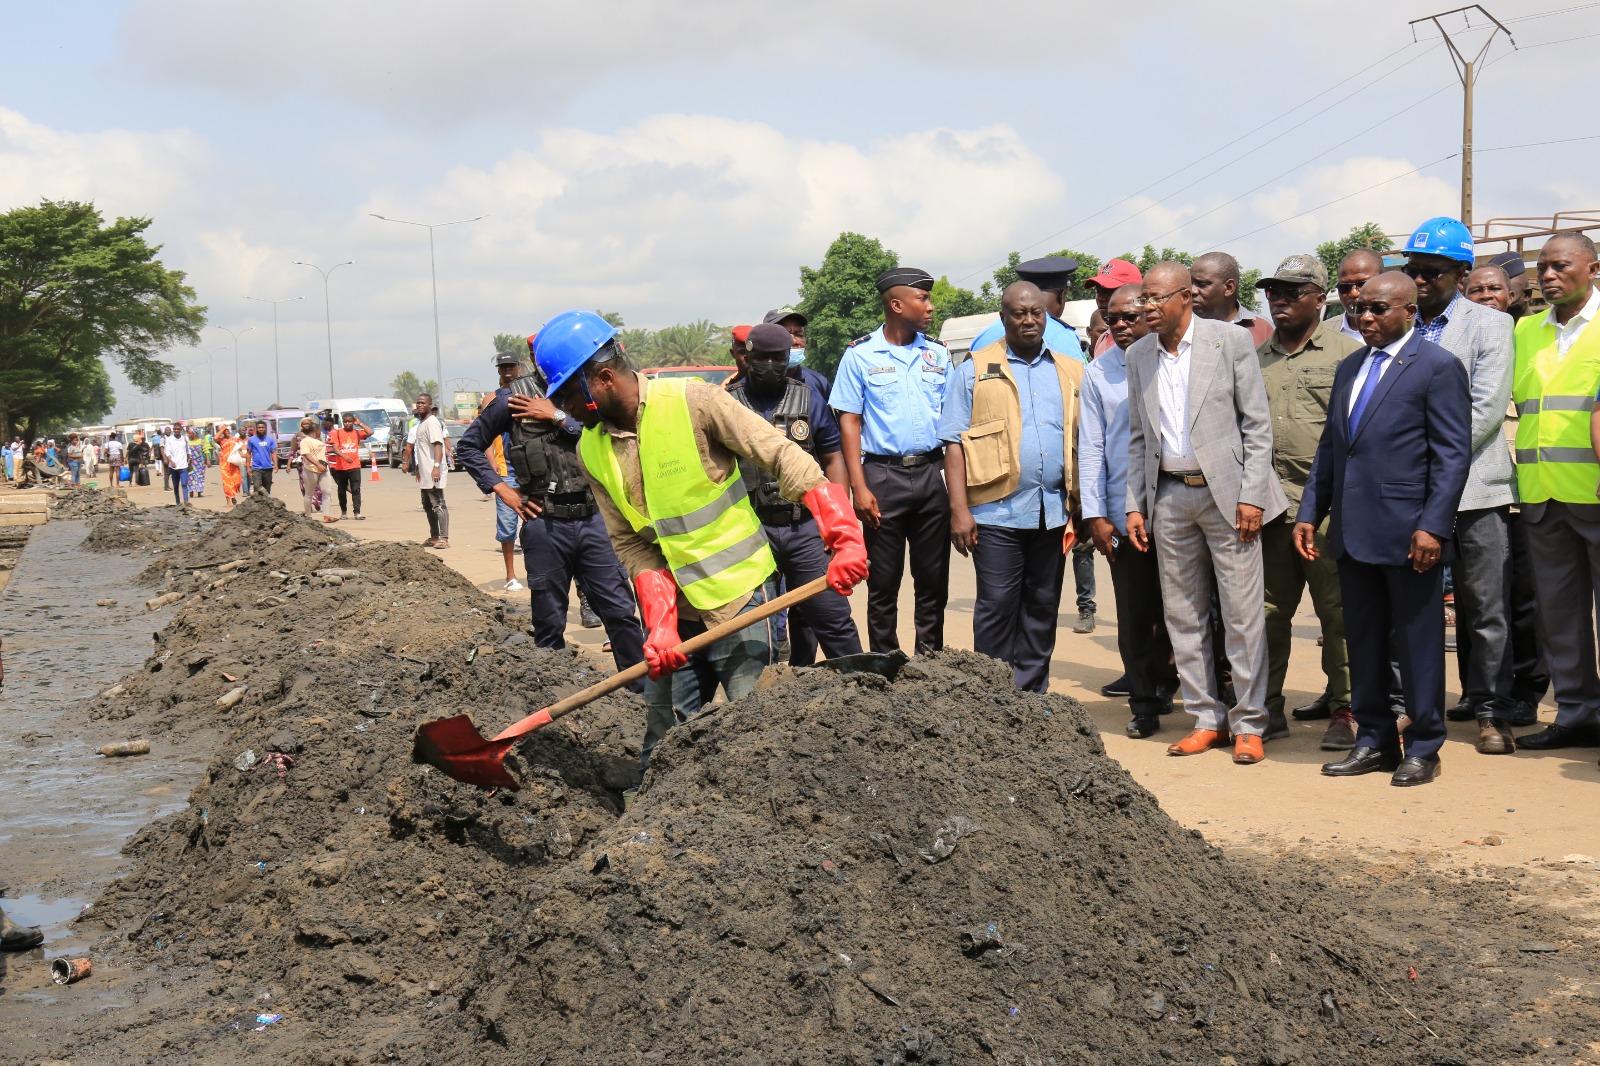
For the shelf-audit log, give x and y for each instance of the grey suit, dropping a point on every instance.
(1481, 339)
(1193, 528)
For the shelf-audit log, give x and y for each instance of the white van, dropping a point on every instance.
(378, 413)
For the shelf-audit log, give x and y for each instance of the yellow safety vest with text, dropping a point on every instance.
(1554, 395)
(707, 531)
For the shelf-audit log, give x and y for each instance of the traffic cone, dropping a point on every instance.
(374, 453)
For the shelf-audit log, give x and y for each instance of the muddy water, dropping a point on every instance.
(65, 811)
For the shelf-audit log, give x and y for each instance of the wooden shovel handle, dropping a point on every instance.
(568, 704)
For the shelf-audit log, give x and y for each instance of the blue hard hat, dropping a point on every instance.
(1442, 236)
(568, 341)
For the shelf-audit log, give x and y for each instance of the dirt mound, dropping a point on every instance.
(834, 870)
(86, 501)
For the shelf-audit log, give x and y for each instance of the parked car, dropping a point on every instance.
(711, 375)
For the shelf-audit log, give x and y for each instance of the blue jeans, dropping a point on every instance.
(735, 662)
(76, 466)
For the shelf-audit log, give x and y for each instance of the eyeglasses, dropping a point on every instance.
(1114, 317)
(1157, 301)
(1376, 307)
(1414, 272)
(1349, 286)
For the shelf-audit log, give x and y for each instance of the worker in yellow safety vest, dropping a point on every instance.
(663, 458)
(1555, 381)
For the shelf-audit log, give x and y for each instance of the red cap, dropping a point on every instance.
(741, 334)
(1117, 273)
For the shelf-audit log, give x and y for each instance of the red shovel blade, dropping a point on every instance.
(455, 747)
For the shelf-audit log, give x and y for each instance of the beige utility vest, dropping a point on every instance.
(992, 443)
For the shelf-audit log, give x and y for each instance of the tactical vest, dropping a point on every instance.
(1554, 394)
(792, 417)
(545, 460)
(706, 530)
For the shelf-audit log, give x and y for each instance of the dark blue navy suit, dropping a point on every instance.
(1402, 469)
(558, 548)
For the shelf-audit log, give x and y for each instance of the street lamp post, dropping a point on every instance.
(327, 310)
(238, 409)
(277, 379)
(433, 273)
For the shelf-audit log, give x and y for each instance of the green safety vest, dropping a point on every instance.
(1554, 395)
(708, 532)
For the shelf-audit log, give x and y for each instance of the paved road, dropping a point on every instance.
(1541, 806)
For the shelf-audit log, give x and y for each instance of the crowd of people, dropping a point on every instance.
(1425, 448)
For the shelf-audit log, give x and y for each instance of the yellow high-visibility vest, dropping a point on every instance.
(1554, 395)
(706, 530)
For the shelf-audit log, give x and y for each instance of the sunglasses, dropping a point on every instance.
(1349, 286)
(1289, 292)
(1113, 317)
(1376, 307)
(1424, 273)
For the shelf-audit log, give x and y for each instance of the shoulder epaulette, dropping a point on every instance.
(858, 340)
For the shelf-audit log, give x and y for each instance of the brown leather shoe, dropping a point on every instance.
(1198, 741)
(1247, 749)
(1341, 732)
(1495, 738)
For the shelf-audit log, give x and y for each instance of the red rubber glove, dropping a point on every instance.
(841, 532)
(658, 604)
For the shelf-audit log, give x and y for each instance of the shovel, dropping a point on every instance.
(455, 747)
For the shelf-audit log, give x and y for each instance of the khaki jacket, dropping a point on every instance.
(992, 443)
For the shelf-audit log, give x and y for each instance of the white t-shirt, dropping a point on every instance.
(176, 449)
(113, 451)
(429, 432)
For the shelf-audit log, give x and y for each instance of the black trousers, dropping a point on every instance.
(915, 512)
(438, 512)
(1395, 607)
(557, 551)
(348, 483)
(1529, 678)
(261, 479)
(1020, 572)
(825, 618)
(1142, 639)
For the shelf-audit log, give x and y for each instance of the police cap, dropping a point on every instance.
(1511, 262)
(506, 358)
(769, 337)
(917, 279)
(1051, 272)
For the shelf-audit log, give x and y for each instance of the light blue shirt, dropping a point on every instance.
(1058, 337)
(1042, 485)
(898, 390)
(1103, 439)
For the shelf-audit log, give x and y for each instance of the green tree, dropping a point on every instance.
(640, 345)
(612, 317)
(841, 297)
(699, 343)
(515, 343)
(75, 292)
(952, 301)
(407, 386)
(1367, 235)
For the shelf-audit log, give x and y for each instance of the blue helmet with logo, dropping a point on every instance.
(568, 341)
(1442, 236)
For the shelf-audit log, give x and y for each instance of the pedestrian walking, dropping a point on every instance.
(139, 459)
(175, 458)
(313, 453)
(1200, 468)
(263, 447)
(75, 458)
(1298, 364)
(662, 458)
(509, 524)
(344, 462)
(1389, 474)
(1010, 428)
(196, 474)
(234, 458)
(1148, 676)
(1554, 383)
(432, 466)
(888, 392)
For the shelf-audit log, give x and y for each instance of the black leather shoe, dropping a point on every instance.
(1362, 760)
(1277, 726)
(1461, 712)
(1415, 771)
(1117, 689)
(1552, 737)
(1316, 710)
(1522, 714)
(1143, 725)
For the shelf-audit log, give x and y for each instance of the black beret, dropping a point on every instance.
(917, 279)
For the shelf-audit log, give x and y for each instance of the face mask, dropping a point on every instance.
(766, 380)
(797, 356)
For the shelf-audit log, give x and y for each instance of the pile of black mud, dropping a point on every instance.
(87, 501)
(835, 870)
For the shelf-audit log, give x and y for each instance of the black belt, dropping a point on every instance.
(788, 515)
(1193, 478)
(568, 505)
(919, 459)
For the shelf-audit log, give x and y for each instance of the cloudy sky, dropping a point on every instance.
(679, 160)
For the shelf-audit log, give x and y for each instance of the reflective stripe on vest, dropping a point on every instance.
(1554, 395)
(708, 532)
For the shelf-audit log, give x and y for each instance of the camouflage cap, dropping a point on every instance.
(1298, 269)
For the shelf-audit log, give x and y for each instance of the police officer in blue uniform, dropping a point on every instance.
(774, 389)
(889, 391)
(1053, 275)
(563, 535)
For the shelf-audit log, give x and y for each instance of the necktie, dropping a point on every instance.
(1368, 387)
